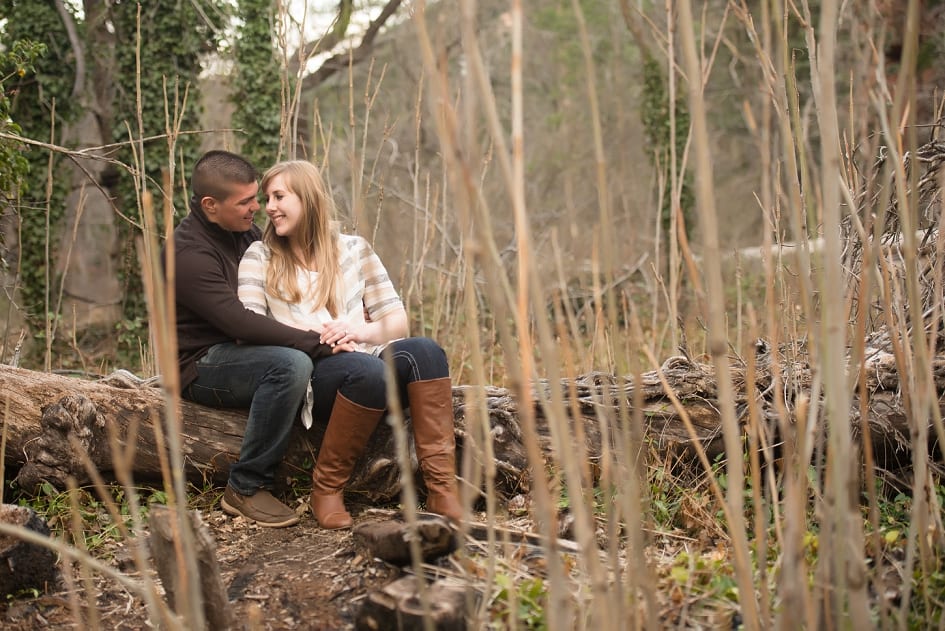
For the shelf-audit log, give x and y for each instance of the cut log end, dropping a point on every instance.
(25, 565)
(399, 606)
(390, 539)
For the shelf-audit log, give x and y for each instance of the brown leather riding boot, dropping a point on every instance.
(349, 428)
(431, 409)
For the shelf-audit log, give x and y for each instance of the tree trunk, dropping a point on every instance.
(88, 252)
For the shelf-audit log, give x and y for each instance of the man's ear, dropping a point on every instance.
(208, 204)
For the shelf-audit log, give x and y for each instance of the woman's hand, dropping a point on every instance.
(339, 333)
(390, 327)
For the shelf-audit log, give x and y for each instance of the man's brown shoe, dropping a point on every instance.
(261, 507)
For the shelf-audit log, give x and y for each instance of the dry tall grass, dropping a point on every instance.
(788, 529)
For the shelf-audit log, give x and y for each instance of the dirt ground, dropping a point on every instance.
(300, 577)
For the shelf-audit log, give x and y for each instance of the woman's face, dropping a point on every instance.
(283, 207)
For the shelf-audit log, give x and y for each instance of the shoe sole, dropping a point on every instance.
(230, 510)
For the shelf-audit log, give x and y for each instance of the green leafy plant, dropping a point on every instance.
(257, 86)
(39, 101)
(14, 64)
(529, 598)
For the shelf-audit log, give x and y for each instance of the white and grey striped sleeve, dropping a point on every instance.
(251, 279)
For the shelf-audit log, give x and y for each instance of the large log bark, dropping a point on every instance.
(47, 413)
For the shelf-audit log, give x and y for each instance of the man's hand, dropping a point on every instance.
(345, 347)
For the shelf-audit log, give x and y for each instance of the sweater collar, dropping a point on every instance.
(197, 210)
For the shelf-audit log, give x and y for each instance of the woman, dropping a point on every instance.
(306, 274)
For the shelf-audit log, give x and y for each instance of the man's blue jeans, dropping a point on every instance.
(271, 382)
(360, 377)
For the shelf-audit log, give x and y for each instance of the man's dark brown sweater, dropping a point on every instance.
(208, 309)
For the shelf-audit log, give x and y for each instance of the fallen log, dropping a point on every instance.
(51, 421)
(55, 424)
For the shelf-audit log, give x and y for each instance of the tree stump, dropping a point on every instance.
(398, 607)
(25, 565)
(164, 552)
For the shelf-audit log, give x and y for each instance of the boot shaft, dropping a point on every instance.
(431, 411)
(349, 429)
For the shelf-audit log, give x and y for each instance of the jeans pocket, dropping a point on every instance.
(214, 397)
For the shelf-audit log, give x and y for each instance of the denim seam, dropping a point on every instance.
(414, 369)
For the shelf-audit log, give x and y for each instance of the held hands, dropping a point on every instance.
(337, 335)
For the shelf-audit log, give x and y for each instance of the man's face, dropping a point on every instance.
(234, 212)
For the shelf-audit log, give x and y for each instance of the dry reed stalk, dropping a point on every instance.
(717, 338)
(72, 553)
(520, 311)
(858, 358)
(159, 293)
(756, 441)
(605, 599)
(843, 569)
(479, 472)
(481, 443)
(776, 68)
(160, 304)
(675, 182)
(93, 621)
(291, 73)
(924, 397)
(783, 82)
(47, 281)
(358, 158)
(157, 609)
(411, 285)
(395, 419)
(461, 172)
(80, 207)
(635, 504)
(75, 607)
(3, 444)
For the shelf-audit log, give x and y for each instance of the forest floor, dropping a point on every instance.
(301, 577)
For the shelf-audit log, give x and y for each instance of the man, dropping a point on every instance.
(228, 355)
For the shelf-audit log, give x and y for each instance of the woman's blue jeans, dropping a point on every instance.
(360, 377)
(271, 382)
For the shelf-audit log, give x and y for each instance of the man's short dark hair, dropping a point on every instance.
(216, 169)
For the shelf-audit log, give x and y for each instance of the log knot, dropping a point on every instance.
(70, 424)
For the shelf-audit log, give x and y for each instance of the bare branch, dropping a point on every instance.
(69, 23)
(341, 60)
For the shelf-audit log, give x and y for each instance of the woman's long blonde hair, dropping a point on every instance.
(317, 233)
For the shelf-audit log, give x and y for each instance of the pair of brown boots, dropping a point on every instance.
(351, 425)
